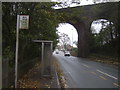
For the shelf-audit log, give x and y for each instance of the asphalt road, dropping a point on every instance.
(83, 73)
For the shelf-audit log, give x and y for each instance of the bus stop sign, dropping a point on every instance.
(23, 21)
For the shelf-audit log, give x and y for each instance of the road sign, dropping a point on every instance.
(24, 21)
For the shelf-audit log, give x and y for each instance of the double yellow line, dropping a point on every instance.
(99, 76)
(103, 77)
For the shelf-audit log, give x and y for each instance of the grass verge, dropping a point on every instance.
(104, 59)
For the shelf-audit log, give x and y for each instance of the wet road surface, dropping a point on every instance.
(83, 73)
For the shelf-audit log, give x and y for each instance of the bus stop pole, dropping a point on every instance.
(51, 59)
(16, 54)
(42, 58)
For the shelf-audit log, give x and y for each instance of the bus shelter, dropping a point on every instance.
(46, 56)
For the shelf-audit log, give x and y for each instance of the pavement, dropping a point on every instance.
(84, 73)
(33, 79)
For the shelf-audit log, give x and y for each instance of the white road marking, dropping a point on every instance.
(85, 65)
(107, 74)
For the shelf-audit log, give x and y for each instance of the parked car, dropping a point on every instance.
(67, 53)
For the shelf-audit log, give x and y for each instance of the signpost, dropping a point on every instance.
(22, 23)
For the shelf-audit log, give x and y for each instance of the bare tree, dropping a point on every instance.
(64, 40)
(76, 43)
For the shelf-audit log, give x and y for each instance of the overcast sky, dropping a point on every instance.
(72, 32)
(83, 2)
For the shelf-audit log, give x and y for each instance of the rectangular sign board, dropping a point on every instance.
(23, 21)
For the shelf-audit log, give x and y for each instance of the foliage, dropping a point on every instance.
(43, 23)
(106, 41)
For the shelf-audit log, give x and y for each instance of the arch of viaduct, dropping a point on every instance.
(81, 18)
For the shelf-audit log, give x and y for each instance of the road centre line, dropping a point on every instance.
(93, 73)
(103, 77)
(107, 74)
(85, 65)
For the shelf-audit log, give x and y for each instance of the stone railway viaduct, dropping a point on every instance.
(81, 18)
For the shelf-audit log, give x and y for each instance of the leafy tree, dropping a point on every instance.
(105, 40)
(42, 26)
